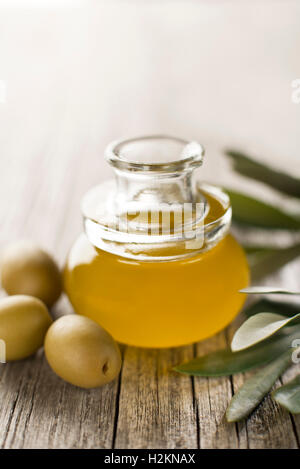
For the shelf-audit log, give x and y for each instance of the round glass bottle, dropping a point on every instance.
(156, 265)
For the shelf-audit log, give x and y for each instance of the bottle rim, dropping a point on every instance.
(190, 156)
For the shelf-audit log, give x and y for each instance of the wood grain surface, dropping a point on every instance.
(78, 78)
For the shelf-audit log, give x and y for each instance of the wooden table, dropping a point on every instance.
(149, 406)
(56, 120)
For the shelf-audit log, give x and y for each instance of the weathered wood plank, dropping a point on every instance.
(156, 406)
(39, 410)
(212, 396)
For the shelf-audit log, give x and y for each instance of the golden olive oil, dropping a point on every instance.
(158, 304)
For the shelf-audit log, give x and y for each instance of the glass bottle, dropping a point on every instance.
(156, 265)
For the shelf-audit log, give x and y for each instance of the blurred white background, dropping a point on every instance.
(79, 74)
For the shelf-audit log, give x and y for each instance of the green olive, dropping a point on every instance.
(28, 270)
(81, 352)
(24, 321)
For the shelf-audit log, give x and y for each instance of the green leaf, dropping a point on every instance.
(289, 396)
(250, 249)
(265, 261)
(245, 165)
(225, 362)
(262, 290)
(286, 309)
(258, 328)
(252, 212)
(254, 390)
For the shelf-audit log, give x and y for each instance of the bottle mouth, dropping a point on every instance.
(155, 153)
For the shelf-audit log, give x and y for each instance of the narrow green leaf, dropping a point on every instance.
(279, 180)
(284, 308)
(265, 261)
(289, 396)
(262, 290)
(258, 328)
(250, 211)
(225, 362)
(254, 249)
(254, 390)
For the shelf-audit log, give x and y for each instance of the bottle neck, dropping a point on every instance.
(154, 170)
(152, 190)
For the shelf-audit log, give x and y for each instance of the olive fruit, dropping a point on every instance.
(24, 321)
(82, 352)
(28, 270)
